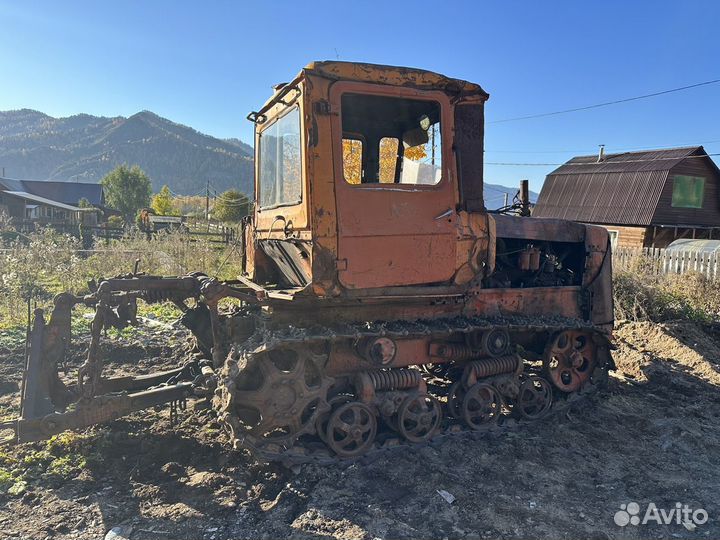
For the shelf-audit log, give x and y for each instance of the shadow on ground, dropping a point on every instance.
(651, 436)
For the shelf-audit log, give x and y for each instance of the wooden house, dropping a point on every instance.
(39, 202)
(644, 199)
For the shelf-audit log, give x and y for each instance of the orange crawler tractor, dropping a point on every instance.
(380, 303)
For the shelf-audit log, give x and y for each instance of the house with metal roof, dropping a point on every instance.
(30, 202)
(644, 199)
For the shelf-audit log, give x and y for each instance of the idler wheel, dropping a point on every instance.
(570, 359)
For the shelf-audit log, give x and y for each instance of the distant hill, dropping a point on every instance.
(495, 195)
(83, 147)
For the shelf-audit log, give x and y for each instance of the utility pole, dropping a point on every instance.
(207, 204)
(505, 201)
(524, 198)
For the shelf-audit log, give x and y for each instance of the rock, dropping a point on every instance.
(449, 497)
(119, 532)
(173, 468)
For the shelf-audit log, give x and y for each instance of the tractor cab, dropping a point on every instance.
(362, 174)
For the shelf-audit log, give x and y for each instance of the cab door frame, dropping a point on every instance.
(395, 234)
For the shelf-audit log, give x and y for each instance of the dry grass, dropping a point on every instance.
(41, 264)
(44, 263)
(640, 294)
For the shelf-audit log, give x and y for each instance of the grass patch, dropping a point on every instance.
(165, 312)
(12, 337)
(61, 458)
(642, 295)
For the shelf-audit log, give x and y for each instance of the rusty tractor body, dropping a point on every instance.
(379, 302)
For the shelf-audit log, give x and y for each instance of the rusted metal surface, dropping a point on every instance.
(570, 359)
(348, 289)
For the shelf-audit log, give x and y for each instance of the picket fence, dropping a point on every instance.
(662, 261)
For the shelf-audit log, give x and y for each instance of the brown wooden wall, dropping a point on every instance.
(708, 215)
(14, 206)
(628, 236)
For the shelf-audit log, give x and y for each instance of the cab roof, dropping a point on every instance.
(394, 76)
(379, 74)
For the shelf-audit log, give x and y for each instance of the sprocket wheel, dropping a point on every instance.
(272, 397)
(418, 417)
(351, 429)
(482, 405)
(570, 359)
(534, 398)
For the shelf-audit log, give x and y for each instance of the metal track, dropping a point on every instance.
(265, 340)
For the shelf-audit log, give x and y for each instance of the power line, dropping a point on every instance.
(605, 104)
(602, 162)
(622, 149)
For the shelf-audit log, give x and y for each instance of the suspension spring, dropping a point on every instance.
(395, 379)
(453, 351)
(488, 367)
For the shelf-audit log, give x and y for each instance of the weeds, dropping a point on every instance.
(642, 295)
(61, 458)
(41, 264)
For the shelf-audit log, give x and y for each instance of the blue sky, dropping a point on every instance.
(207, 64)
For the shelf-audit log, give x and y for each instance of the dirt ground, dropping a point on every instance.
(652, 436)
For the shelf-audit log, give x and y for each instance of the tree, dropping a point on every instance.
(389, 149)
(231, 206)
(127, 189)
(162, 202)
(5, 220)
(84, 203)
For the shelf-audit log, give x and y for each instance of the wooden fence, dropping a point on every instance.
(662, 261)
(212, 232)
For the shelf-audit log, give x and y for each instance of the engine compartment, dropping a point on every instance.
(520, 263)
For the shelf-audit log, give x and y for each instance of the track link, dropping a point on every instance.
(304, 446)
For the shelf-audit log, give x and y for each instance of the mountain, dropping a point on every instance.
(495, 195)
(83, 147)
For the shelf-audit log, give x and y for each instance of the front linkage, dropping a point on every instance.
(49, 406)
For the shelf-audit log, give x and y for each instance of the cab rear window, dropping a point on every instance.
(390, 140)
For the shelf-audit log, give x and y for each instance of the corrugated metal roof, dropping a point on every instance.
(651, 160)
(43, 200)
(64, 192)
(623, 189)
